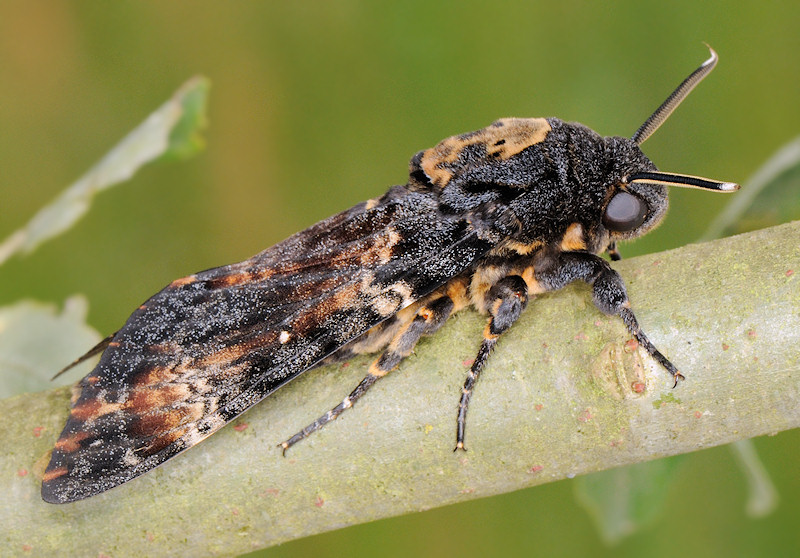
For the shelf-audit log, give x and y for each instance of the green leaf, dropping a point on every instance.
(36, 341)
(762, 496)
(770, 197)
(623, 500)
(171, 131)
(185, 140)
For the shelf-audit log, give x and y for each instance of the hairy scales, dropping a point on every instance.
(210, 345)
(487, 218)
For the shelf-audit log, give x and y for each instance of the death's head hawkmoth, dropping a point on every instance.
(488, 219)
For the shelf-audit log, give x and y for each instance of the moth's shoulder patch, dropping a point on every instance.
(501, 140)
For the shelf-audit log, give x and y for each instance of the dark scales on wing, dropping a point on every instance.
(209, 346)
(489, 218)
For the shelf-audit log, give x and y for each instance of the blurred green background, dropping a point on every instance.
(318, 105)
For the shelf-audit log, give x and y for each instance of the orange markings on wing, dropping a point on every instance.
(183, 281)
(154, 398)
(245, 274)
(54, 474)
(344, 297)
(228, 354)
(162, 421)
(71, 443)
(93, 409)
(167, 347)
(382, 249)
(232, 280)
(162, 441)
(155, 375)
(312, 289)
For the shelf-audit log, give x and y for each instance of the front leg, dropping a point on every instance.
(608, 293)
(613, 252)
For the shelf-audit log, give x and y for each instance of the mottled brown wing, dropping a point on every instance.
(209, 346)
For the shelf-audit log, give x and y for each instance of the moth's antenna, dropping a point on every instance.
(662, 113)
(96, 350)
(682, 180)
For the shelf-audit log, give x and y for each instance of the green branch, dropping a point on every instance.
(563, 395)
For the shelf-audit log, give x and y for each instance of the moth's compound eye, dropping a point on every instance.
(624, 212)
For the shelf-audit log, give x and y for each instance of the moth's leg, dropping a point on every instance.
(613, 252)
(426, 320)
(505, 301)
(608, 292)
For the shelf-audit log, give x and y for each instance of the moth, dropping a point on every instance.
(487, 219)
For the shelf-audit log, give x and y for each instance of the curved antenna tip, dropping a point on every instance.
(713, 59)
(676, 97)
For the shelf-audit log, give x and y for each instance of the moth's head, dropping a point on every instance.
(630, 208)
(638, 201)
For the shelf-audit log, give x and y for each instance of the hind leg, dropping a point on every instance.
(505, 301)
(429, 317)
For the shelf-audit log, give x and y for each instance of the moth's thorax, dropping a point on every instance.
(457, 157)
(554, 179)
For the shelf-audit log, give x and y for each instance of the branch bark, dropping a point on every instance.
(563, 395)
